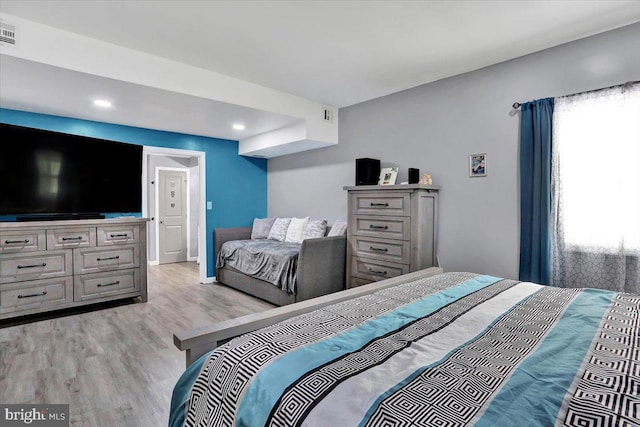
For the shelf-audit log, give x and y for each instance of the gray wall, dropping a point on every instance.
(435, 127)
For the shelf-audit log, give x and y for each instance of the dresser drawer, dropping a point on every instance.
(23, 241)
(118, 235)
(94, 260)
(385, 227)
(35, 265)
(376, 270)
(381, 203)
(63, 238)
(36, 294)
(384, 249)
(98, 285)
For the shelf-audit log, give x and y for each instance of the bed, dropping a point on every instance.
(279, 272)
(424, 349)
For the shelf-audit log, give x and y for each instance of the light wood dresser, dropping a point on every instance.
(392, 231)
(51, 265)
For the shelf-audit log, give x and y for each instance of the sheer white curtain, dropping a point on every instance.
(595, 184)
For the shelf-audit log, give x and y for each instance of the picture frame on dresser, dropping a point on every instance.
(388, 176)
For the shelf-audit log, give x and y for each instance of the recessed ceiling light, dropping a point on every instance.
(238, 126)
(102, 103)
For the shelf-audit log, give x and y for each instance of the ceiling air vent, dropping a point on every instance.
(8, 34)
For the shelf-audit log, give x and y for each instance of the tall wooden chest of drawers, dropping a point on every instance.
(392, 231)
(51, 265)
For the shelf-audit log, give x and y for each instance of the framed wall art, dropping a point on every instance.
(478, 165)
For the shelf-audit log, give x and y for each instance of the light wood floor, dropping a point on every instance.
(115, 366)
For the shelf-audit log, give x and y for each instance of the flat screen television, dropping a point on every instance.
(53, 175)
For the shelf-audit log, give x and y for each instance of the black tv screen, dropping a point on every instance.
(45, 172)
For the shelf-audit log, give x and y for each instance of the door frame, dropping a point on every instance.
(157, 207)
(147, 151)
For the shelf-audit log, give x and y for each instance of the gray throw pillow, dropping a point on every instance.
(261, 227)
(315, 228)
(279, 229)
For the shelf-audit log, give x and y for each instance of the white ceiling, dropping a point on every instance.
(35, 87)
(335, 52)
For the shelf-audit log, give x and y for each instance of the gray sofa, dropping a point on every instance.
(320, 270)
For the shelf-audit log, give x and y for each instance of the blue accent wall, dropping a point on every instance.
(236, 185)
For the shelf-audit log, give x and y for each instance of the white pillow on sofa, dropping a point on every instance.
(296, 230)
(339, 228)
(279, 229)
(315, 228)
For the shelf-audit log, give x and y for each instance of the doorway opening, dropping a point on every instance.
(156, 159)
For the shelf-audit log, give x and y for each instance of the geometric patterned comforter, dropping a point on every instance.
(456, 349)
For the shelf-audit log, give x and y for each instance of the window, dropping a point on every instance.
(596, 189)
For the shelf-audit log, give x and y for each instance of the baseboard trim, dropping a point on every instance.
(209, 280)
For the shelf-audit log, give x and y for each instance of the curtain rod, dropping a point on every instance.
(517, 105)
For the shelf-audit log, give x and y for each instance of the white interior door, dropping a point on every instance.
(172, 216)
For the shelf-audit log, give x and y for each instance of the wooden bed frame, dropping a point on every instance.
(199, 341)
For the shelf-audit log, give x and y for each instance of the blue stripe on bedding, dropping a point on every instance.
(182, 390)
(273, 379)
(550, 369)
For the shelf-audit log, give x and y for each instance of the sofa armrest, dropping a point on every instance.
(221, 235)
(321, 267)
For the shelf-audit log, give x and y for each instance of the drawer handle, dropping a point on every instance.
(378, 227)
(386, 205)
(100, 285)
(106, 259)
(373, 248)
(383, 272)
(64, 239)
(12, 242)
(43, 293)
(120, 235)
(44, 264)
